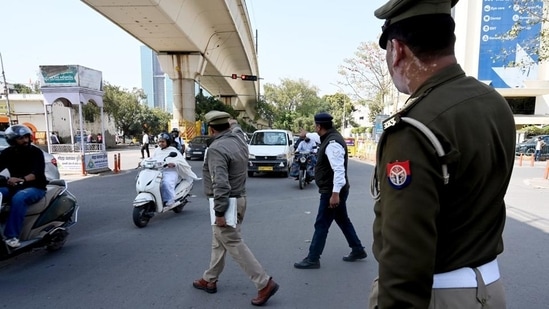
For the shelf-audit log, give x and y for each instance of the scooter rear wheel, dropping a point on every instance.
(140, 218)
(179, 208)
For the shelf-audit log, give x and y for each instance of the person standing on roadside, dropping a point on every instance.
(539, 145)
(224, 175)
(444, 162)
(333, 186)
(145, 145)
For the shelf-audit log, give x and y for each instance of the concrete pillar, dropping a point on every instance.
(183, 70)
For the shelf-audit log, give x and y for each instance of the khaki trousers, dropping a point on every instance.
(490, 296)
(228, 239)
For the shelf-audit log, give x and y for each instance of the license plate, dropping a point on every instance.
(265, 168)
(197, 152)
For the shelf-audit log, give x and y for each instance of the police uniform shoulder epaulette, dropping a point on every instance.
(332, 141)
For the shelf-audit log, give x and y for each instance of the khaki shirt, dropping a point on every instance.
(225, 170)
(422, 226)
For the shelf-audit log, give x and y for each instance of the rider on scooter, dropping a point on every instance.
(27, 182)
(175, 167)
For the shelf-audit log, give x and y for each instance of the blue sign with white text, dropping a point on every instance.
(506, 60)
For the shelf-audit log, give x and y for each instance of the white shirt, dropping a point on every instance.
(305, 147)
(539, 144)
(145, 138)
(336, 155)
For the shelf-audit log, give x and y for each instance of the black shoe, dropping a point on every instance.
(355, 255)
(307, 264)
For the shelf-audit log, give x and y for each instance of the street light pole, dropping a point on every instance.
(6, 90)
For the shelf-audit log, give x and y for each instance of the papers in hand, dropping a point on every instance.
(230, 214)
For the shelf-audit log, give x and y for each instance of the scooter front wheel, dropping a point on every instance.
(140, 216)
(302, 179)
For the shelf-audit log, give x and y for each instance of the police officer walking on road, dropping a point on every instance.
(444, 163)
(333, 186)
(224, 175)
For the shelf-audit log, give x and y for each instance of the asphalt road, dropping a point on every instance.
(107, 262)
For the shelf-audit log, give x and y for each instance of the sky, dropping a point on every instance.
(297, 39)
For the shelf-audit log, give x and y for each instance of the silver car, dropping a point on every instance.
(52, 172)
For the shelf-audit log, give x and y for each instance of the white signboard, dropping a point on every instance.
(70, 76)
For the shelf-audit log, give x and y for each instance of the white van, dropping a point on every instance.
(271, 151)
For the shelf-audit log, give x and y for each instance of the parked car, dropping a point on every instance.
(528, 147)
(196, 148)
(52, 172)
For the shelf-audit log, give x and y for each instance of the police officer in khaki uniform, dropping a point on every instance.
(224, 175)
(443, 166)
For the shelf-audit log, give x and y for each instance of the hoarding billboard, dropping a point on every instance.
(500, 51)
(70, 76)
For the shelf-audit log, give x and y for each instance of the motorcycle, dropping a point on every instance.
(306, 162)
(46, 222)
(148, 201)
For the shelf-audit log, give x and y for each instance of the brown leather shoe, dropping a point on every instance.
(265, 293)
(201, 284)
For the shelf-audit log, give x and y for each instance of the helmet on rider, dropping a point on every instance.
(17, 131)
(165, 136)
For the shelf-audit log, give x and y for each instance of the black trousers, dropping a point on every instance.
(145, 147)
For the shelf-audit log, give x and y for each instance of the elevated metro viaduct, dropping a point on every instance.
(197, 40)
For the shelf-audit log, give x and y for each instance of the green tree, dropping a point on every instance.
(293, 104)
(204, 104)
(20, 88)
(125, 108)
(341, 108)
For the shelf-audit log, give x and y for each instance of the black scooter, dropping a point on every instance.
(46, 221)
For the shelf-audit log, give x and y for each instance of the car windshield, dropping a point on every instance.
(269, 138)
(199, 140)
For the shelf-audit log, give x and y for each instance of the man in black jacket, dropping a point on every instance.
(27, 182)
(333, 186)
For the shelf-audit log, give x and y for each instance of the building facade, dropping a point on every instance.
(155, 83)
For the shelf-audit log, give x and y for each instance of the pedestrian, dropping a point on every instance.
(179, 143)
(224, 176)
(333, 186)
(99, 138)
(145, 145)
(26, 184)
(444, 163)
(53, 138)
(539, 145)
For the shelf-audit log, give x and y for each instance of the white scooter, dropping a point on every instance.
(148, 201)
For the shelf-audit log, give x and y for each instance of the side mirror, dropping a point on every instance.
(173, 154)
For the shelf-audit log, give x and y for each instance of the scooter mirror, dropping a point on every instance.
(173, 154)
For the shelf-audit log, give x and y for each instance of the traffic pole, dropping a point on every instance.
(532, 159)
(82, 158)
(119, 158)
(115, 170)
(520, 159)
(546, 174)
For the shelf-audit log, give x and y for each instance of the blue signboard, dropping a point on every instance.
(499, 51)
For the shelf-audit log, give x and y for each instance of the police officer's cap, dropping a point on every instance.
(398, 10)
(217, 117)
(323, 118)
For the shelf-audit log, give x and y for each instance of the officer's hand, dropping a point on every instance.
(220, 221)
(334, 200)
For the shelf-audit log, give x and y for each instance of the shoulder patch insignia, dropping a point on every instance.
(399, 174)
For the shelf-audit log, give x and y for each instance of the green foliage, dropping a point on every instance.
(129, 114)
(205, 104)
(90, 111)
(292, 105)
(20, 88)
(534, 130)
(361, 130)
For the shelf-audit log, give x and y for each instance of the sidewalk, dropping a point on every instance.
(130, 156)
